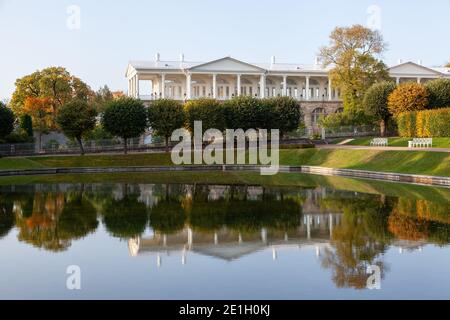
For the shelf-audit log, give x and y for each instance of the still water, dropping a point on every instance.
(164, 241)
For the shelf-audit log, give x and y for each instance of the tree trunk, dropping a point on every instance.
(81, 146)
(383, 127)
(125, 146)
(40, 141)
(167, 144)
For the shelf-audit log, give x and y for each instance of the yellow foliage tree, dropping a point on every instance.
(408, 97)
(40, 111)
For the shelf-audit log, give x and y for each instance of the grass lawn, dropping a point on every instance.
(415, 162)
(400, 142)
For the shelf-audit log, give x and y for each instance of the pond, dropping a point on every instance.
(206, 241)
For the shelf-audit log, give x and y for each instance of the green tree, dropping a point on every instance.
(6, 120)
(55, 85)
(283, 113)
(208, 111)
(76, 119)
(406, 97)
(125, 118)
(439, 93)
(244, 113)
(354, 52)
(376, 103)
(101, 98)
(165, 116)
(26, 124)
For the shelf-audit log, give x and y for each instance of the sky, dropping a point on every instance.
(95, 40)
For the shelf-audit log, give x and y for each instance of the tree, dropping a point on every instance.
(26, 124)
(354, 53)
(439, 93)
(244, 112)
(447, 65)
(6, 120)
(55, 84)
(376, 103)
(406, 97)
(208, 111)
(76, 119)
(283, 114)
(101, 98)
(39, 109)
(165, 116)
(125, 118)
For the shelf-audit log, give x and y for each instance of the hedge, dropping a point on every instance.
(424, 124)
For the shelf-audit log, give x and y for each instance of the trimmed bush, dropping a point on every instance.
(408, 97)
(281, 113)
(209, 111)
(244, 113)
(425, 124)
(439, 93)
(6, 120)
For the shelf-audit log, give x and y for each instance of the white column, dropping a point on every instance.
(215, 86)
(188, 86)
(284, 93)
(397, 80)
(163, 85)
(137, 86)
(262, 84)
(129, 87)
(330, 95)
(418, 80)
(238, 93)
(307, 97)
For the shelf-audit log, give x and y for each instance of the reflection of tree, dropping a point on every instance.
(359, 240)
(125, 218)
(169, 214)
(7, 219)
(55, 220)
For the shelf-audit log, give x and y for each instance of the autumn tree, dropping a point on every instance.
(164, 117)
(447, 65)
(354, 53)
(55, 85)
(409, 96)
(125, 118)
(6, 120)
(76, 119)
(376, 103)
(39, 109)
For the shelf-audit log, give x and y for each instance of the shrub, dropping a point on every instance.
(439, 93)
(408, 97)
(209, 111)
(26, 123)
(125, 118)
(281, 113)
(6, 120)
(165, 116)
(376, 103)
(428, 123)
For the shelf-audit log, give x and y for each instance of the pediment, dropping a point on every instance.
(227, 64)
(413, 69)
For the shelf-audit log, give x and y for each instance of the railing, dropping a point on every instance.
(94, 146)
(350, 131)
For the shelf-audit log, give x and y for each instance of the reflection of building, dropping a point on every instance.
(314, 231)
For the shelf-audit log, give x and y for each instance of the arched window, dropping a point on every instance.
(317, 114)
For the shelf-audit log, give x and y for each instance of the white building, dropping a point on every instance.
(227, 77)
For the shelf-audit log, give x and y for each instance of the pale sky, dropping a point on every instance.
(37, 34)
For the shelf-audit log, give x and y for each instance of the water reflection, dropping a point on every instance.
(349, 231)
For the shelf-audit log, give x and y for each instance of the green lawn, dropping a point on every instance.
(416, 162)
(400, 142)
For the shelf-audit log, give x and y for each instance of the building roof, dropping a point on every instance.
(274, 67)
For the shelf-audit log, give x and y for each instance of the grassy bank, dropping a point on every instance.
(399, 142)
(414, 162)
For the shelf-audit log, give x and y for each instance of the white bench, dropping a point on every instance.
(421, 143)
(379, 142)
